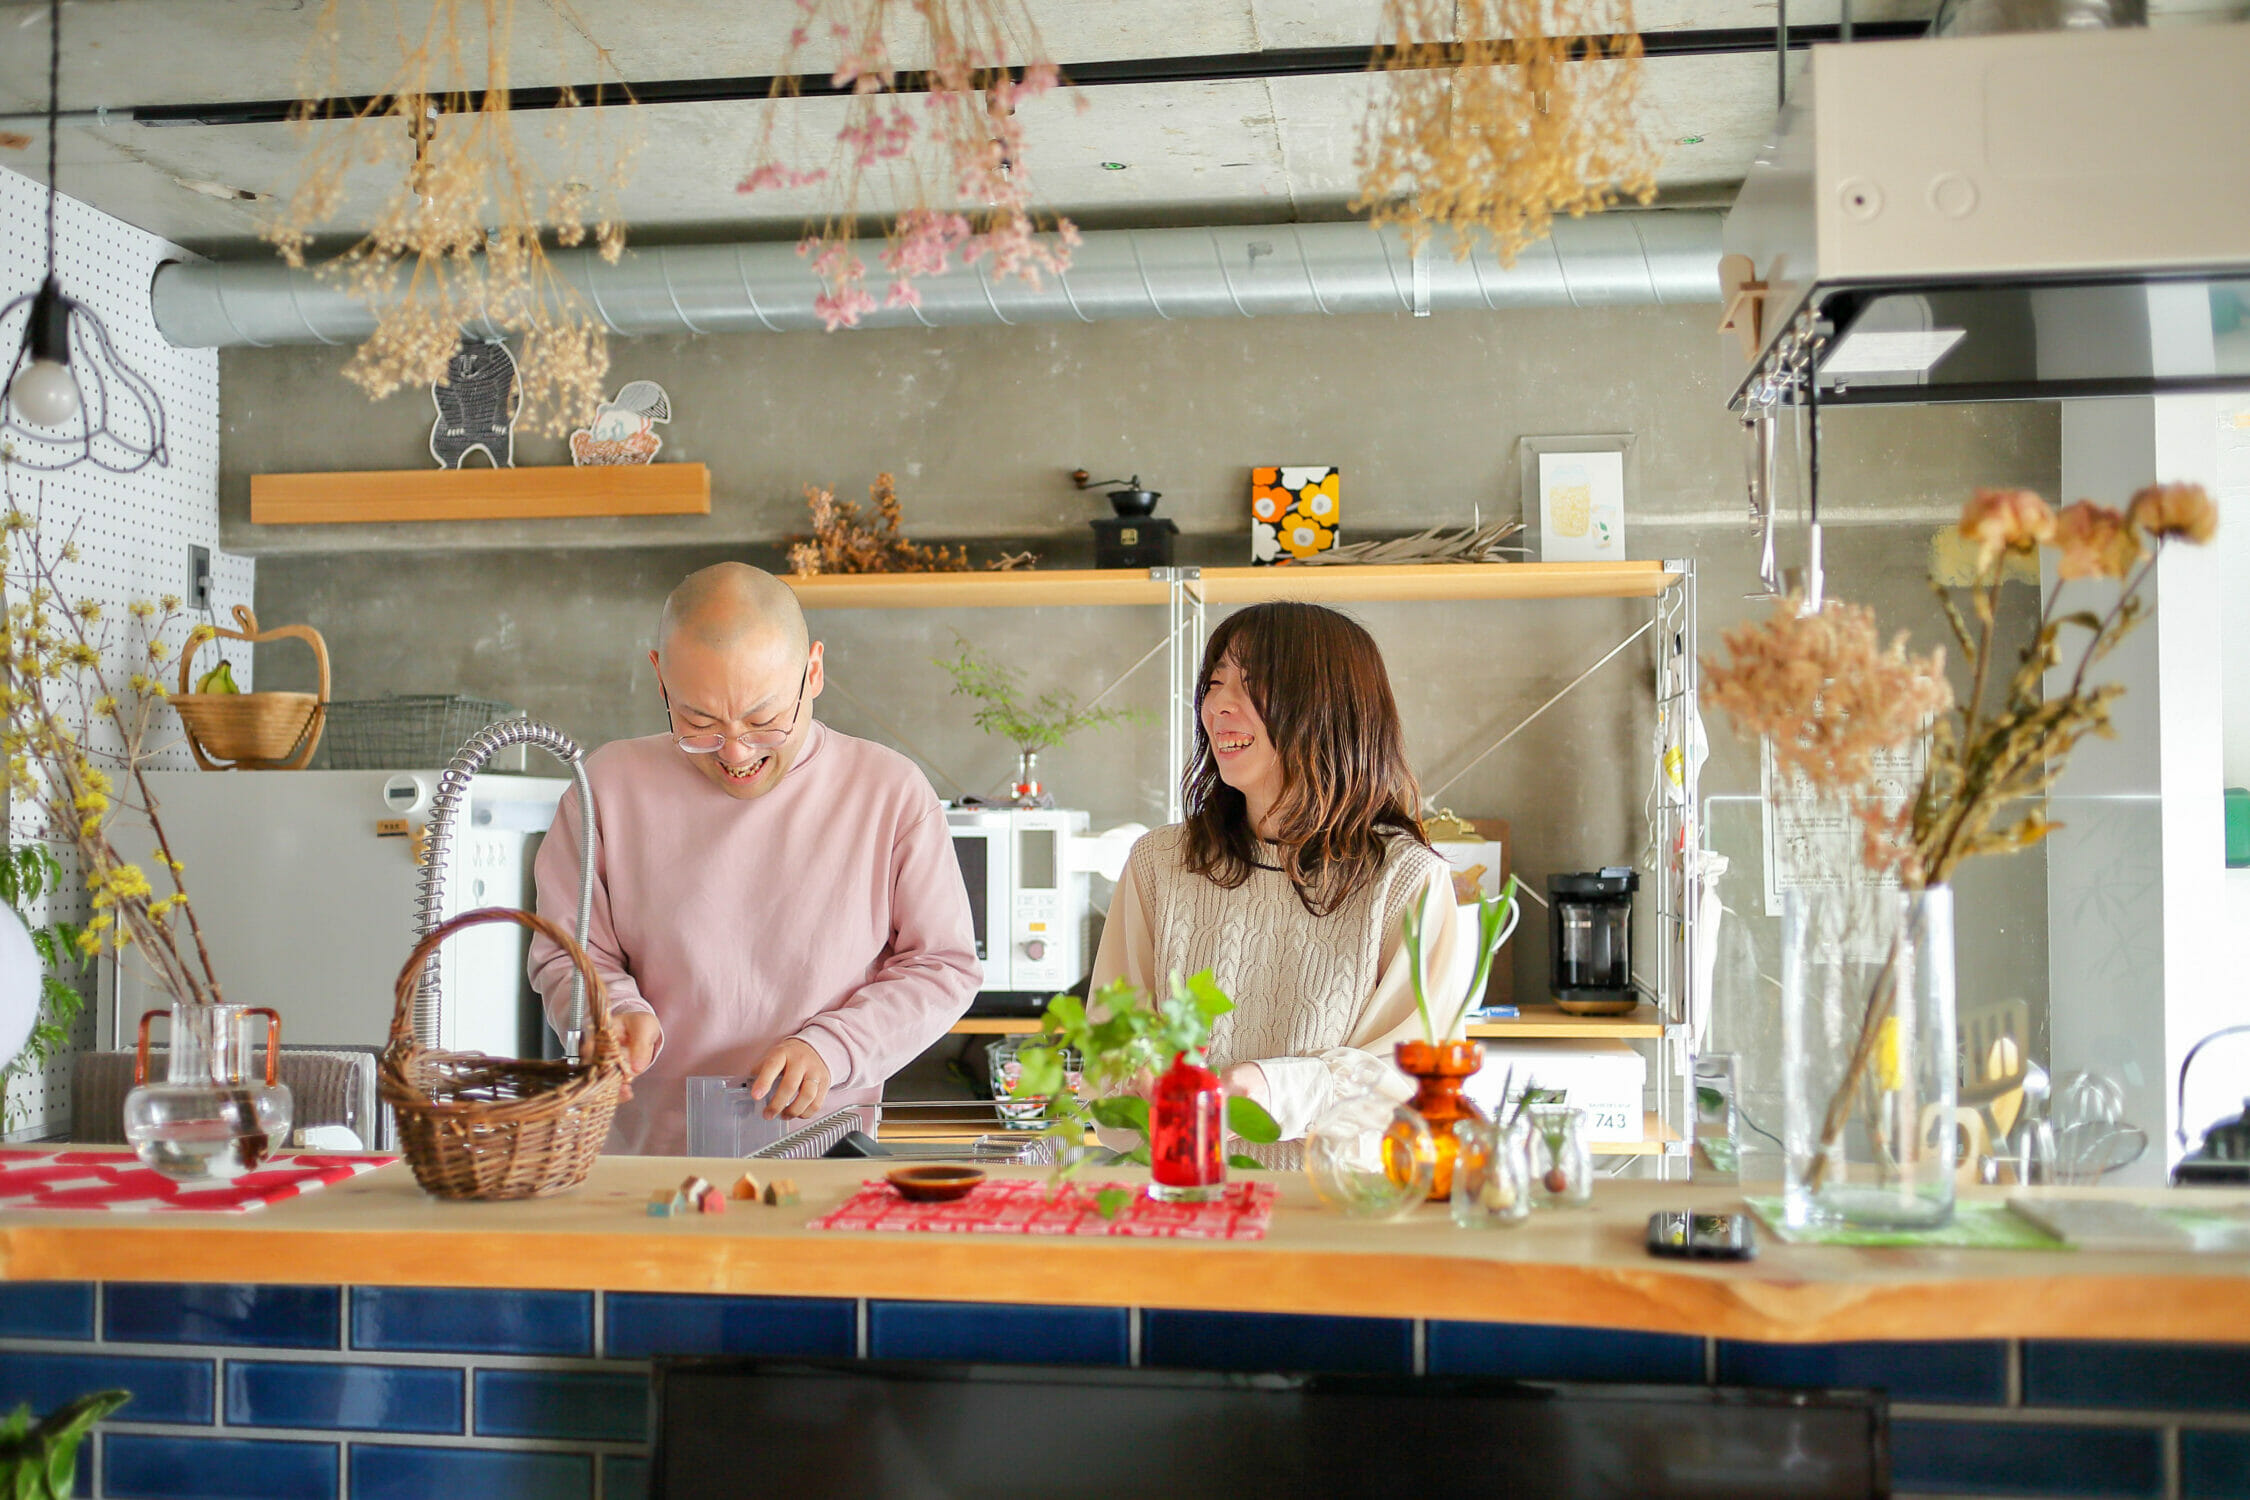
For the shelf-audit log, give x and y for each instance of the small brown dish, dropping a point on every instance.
(934, 1184)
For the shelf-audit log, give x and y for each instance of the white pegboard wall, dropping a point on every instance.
(133, 530)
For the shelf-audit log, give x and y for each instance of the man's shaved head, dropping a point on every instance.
(730, 605)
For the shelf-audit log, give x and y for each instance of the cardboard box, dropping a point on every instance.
(1608, 1079)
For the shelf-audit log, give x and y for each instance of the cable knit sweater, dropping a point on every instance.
(1319, 1001)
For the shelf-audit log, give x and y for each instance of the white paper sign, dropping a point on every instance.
(1581, 507)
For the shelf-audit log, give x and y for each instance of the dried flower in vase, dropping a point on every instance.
(1493, 116)
(955, 156)
(847, 540)
(76, 747)
(459, 239)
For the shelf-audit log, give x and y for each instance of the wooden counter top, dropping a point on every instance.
(1584, 1267)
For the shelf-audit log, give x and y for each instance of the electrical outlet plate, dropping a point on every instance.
(199, 577)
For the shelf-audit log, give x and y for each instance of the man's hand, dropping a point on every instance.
(640, 1034)
(792, 1080)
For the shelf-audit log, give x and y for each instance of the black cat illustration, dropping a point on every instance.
(476, 407)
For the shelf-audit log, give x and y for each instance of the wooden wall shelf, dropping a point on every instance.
(1533, 1022)
(551, 492)
(1341, 584)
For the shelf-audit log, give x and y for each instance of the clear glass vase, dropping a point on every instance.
(1370, 1158)
(1868, 1058)
(1491, 1174)
(1561, 1164)
(212, 1116)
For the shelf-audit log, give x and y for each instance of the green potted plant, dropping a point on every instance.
(1030, 724)
(39, 1460)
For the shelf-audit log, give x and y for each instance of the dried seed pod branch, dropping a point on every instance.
(459, 239)
(846, 539)
(1494, 116)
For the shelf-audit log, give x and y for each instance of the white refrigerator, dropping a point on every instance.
(304, 884)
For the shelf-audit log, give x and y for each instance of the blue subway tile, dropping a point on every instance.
(164, 1390)
(624, 1478)
(1534, 1351)
(2140, 1377)
(136, 1466)
(2214, 1465)
(998, 1332)
(353, 1398)
(271, 1317)
(379, 1472)
(1276, 1341)
(2021, 1458)
(47, 1310)
(472, 1321)
(559, 1404)
(641, 1324)
(1964, 1372)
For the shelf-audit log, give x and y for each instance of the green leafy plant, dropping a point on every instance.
(1496, 916)
(28, 872)
(39, 1460)
(1030, 724)
(1123, 1037)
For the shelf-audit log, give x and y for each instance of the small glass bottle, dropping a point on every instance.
(1562, 1169)
(1492, 1185)
(1186, 1134)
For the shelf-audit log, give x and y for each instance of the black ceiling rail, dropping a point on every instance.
(1290, 62)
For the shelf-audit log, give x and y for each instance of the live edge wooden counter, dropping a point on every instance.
(1583, 1268)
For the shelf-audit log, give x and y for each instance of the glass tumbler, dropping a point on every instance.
(1492, 1182)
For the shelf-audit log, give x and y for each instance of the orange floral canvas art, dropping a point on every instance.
(1294, 512)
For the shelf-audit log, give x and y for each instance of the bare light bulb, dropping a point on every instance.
(44, 394)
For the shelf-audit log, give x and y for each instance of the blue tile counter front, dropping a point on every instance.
(370, 1393)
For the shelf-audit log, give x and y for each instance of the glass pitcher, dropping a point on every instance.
(211, 1117)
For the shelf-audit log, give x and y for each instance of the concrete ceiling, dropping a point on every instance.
(1255, 149)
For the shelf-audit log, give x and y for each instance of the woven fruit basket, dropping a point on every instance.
(474, 1126)
(254, 731)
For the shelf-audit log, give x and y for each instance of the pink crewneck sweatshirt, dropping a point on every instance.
(830, 910)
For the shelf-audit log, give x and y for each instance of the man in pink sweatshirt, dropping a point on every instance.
(772, 899)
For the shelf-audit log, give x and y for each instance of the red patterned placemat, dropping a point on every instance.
(114, 1180)
(1024, 1205)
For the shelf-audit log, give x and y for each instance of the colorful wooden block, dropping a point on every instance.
(712, 1202)
(747, 1187)
(660, 1205)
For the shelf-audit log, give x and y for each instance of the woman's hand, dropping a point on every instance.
(1248, 1081)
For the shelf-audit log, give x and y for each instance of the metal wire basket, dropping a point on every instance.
(381, 734)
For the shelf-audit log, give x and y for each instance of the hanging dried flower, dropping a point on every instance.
(956, 154)
(2094, 541)
(459, 240)
(2175, 512)
(1496, 115)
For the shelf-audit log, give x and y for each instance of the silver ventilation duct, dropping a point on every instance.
(1256, 271)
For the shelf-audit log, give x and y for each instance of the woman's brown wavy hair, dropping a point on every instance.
(1317, 680)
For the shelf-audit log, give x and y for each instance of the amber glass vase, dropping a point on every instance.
(1438, 1072)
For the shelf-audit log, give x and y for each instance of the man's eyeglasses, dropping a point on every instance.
(757, 739)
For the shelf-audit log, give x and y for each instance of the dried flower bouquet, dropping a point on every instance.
(1830, 697)
(77, 745)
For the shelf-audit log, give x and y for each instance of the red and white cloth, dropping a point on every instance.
(1024, 1205)
(114, 1180)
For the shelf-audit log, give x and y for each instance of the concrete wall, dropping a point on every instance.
(983, 426)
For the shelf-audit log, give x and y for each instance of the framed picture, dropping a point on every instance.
(1574, 495)
(1294, 511)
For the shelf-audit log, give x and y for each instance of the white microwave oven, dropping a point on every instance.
(1029, 896)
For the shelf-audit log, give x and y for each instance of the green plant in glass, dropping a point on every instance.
(1030, 724)
(28, 872)
(1123, 1038)
(39, 1460)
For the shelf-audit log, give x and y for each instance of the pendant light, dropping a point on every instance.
(69, 399)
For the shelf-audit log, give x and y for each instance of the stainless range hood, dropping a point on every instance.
(2025, 217)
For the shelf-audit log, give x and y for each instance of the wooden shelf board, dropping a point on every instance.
(993, 1026)
(1436, 582)
(549, 492)
(979, 590)
(1654, 1138)
(1547, 1019)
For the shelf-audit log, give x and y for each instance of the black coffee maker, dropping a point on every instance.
(1590, 940)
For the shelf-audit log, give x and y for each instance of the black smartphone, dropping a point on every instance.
(1702, 1236)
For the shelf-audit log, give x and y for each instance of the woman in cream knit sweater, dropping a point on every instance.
(1289, 877)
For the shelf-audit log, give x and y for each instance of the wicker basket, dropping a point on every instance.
(473, 1126)
(254, 731)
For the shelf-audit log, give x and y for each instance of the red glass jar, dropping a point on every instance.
(1186, 1131)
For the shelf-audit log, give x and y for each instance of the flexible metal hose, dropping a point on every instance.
(445, 807)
